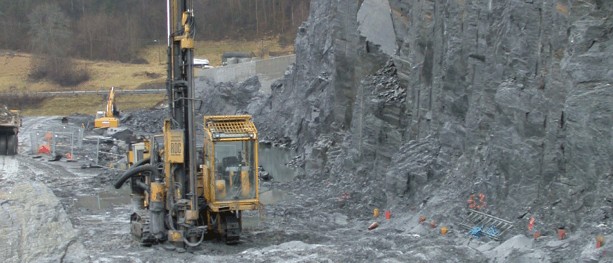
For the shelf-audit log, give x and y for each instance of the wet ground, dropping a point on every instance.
(100, 213)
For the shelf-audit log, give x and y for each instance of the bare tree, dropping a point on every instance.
(50, 40)
(50, 32)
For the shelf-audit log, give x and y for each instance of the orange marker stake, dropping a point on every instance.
(561, 233)
(444, 230)
(599, 241)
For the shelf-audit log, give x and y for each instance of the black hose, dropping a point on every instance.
(134, 166)
(141, 162)
(135, 171)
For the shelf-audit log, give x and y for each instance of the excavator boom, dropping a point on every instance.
(110, 104)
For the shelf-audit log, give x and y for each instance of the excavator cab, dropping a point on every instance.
(99, 114)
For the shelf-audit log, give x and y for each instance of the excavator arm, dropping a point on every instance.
(111, 110)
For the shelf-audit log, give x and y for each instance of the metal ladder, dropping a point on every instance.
(490, 226)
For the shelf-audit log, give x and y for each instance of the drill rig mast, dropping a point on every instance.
(179, 132)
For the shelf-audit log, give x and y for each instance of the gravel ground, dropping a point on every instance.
(316, 219)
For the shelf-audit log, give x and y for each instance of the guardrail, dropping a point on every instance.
(93, 92)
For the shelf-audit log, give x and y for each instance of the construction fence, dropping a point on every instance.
(67, 141)
(57, 140)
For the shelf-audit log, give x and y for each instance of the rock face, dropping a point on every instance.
(512, 99)
(33, 225)
(518, 97)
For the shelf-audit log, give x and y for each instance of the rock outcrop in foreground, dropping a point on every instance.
(34, 226)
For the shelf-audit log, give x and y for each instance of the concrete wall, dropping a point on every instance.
(230, 73)
(268, 70)
(274, 67)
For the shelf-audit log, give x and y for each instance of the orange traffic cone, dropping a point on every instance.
(531, 223)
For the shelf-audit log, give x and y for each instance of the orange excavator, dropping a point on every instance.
(108, 118)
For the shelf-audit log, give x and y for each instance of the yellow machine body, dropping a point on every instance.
(138, 151)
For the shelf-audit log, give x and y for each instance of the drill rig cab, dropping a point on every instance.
(230, 172)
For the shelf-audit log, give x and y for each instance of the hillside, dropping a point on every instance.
(104, 74)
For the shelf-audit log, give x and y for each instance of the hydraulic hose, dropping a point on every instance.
(135, 171)
(141, 162)
(136, 165)
(190, 244)
(203, 229)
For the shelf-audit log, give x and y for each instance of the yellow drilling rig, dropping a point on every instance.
(185, 192)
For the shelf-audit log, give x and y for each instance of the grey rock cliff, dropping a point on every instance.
(509, 98)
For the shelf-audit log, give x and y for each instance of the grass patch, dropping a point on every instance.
(103, 75)
(157, 84)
